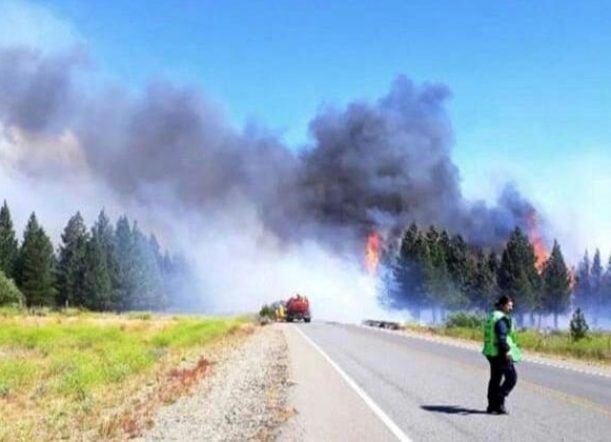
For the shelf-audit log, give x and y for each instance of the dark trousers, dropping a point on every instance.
(503, 378)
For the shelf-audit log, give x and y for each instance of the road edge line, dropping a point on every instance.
(394, 429)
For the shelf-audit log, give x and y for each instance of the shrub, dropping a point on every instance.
(266, 312)
(579, 326)
(466, 320)
(9, 293)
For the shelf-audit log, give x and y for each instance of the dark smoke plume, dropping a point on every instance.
(371, 165)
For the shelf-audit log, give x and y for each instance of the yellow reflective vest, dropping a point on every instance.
(491, 347)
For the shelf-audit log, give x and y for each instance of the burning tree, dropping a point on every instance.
(536, 239)
(372, 252)
(438, 271)
(518, 276)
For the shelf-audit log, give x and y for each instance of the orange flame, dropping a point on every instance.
(541, 251)
(572, 277)
(372, 252)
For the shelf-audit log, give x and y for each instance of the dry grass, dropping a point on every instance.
(89, 376)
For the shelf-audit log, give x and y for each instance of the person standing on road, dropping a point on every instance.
(501, 349)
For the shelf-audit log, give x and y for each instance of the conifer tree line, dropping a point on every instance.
(436, 271)
(593, 286)
(105, 267)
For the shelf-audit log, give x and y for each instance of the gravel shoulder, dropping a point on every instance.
(242, 398)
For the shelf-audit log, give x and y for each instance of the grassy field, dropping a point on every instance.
(74, 374)
(595, 347)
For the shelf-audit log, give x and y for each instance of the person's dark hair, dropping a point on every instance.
(503, 300)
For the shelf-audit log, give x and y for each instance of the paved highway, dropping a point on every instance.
(355, 383)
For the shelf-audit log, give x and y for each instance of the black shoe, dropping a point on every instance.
(501, 410)
(496, 409)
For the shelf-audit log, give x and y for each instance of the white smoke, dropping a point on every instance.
(244, 265)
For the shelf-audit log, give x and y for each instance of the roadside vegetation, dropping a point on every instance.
(578, 342)
(105, 267)
(75, 374)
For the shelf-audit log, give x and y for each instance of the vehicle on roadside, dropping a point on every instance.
(279, 308)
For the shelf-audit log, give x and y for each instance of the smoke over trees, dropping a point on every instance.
(167, 152)
(380, 164)
(439, 272)
(593, 286)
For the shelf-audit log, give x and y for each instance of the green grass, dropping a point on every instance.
(83, 356)
(77, 357)
(190, 332)
(595, 347)
(15, 373)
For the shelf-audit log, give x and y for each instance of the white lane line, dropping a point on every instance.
(394, 429)
(472, 346)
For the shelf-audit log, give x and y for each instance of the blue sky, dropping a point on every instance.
(531, 81)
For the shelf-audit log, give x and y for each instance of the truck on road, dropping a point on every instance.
(298, 308)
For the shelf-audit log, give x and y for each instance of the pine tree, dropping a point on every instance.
(606, 290)
(518, 275)
(148, 282)
(36, 265)
(124, 246)
(462, 267)
(155, 249)
(178, 281)
(484, 287)
(97, 281)
(442, 293)
(556, 284)
(494, 264)
(424, 266)
(596, 276)
(9, 247)
(583, 290)
(71, 267)
(407, 274)
(157, 267)
(596, 271)
(140, 281)
(104, 235)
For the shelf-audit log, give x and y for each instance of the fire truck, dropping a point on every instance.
(298, 308)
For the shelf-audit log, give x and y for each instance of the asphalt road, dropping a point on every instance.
(354, 383)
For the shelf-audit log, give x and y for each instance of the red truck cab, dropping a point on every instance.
(298, 308)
